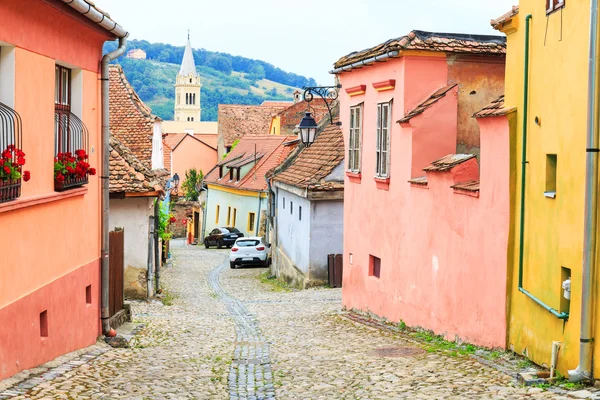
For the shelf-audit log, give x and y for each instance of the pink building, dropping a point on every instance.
(425, 228)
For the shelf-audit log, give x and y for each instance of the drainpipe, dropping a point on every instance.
(559, 315)
(105, 315)
(258, 215)
(269, 208)
(584, 369)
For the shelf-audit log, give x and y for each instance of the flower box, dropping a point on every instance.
(9, 190)
(70, 183)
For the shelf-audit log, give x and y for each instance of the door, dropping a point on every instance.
(116, 268)
(196, 225)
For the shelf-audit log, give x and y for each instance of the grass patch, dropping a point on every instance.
(524, 364)
(168, 298)
(572, 385)
(275, 284)
(435, 343)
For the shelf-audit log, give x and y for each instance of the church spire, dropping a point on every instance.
(188, 66)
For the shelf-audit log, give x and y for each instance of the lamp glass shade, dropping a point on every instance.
(308, 129)
(176, 180)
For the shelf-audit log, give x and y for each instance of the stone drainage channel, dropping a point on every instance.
(250, 375)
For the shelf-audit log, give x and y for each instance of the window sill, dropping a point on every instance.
(355, 177)
(382, 183)
(37, 200)
(550, 195)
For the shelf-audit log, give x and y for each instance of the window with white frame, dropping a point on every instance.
(384, 115)
(355, 140)
(553, 5)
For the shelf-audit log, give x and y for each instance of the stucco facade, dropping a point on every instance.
(192, 153)
(306, 233)
(43, 302)
(554, 227)
(230, 207)
(132, 214)
(425, 253)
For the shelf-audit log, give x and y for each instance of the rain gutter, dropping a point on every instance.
(364, 63)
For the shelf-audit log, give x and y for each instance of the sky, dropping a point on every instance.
(302, 37)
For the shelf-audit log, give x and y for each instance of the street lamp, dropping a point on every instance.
(176, 184)
(308, 126)
(308, 129)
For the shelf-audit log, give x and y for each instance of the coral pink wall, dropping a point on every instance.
(49, 242)
(192, 154)
(443, 254)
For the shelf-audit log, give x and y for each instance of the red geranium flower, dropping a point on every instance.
(26, 176)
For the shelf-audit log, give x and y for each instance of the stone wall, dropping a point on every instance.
(181, 210)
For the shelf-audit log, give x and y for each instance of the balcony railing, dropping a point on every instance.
(10, 134)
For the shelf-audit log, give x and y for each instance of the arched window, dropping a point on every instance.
(190, 80)
(10, 141)
(187, 98)
(194, 99)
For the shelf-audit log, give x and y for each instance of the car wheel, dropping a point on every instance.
(206, 246)
(231, 264)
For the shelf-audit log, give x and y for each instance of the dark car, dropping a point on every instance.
(222, 237)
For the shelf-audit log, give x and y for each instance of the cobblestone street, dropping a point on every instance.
(227, 335)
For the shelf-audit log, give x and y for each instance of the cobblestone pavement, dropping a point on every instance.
(229, 336)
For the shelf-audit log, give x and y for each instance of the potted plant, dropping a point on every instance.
(71, 170)
(12, 161)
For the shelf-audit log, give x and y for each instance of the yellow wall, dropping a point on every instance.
(275, 128)
(553, 227)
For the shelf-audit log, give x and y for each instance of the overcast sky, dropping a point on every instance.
(302, 37)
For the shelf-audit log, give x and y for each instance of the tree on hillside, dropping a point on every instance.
(191, 185)
(220, 63)
(256, 73)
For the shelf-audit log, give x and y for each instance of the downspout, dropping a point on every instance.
(258, 215)
(559, 315)
(104, 311)
(584, 369)
(269, 207)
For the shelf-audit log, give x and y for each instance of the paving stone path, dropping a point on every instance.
(226, 335)
(250, 375)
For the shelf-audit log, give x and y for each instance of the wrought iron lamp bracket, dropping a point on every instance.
(329, 94)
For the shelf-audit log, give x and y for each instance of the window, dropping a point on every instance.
(374, 266)
(300, 213)
(217, 217)
(284, 203)
(383, 140)
(251, 220)
(71, 134)
(187, 100)
(192, 118)
(355, 139)
(247, 243)
(228, 216)
(553, 5)
(291, 207)
(190, 80)
(551, 163)
(234, 216)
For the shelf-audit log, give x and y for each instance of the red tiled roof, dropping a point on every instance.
(236, 121)
(310, 168)
(496, 23)
(129, 175)
(167, 156)
(277, 103)
(470, 186)
(273, 150)
(495, 109)
(292, 115)
(430, 101)
(208, 138)
(448, 162)
(131, 121)
(173, 139)
(430, 41)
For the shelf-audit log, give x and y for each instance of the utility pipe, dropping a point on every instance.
(584, 369)
(559, 315)
(92, 13)
(366, 62)
(104, 311)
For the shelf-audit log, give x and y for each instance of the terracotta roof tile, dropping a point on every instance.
(495, 109)
(273, 151)
(496, 23)
(421, 181)
(313, 164)
(130, 175)
(430, 41)
(291, 116)
(173, 139)
(236, 121)
(131, 121)
(470, 186)
(448, 162)
(430, 101)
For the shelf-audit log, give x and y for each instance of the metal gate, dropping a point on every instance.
(116, 269)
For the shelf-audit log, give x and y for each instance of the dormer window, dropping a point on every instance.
(220, 172)
(237, 171)
(230, 174)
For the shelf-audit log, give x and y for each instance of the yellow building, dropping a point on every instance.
(550, 249)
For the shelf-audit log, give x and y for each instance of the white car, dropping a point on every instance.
(249, 250)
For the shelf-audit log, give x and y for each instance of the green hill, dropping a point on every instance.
(225, 79)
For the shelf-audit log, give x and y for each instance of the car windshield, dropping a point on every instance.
(247, 243)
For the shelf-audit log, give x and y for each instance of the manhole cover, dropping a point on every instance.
(398, 351)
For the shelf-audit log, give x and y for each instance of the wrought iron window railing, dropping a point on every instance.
(10, 143)
(71, 139)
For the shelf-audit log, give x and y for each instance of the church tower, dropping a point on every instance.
(187, 88)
